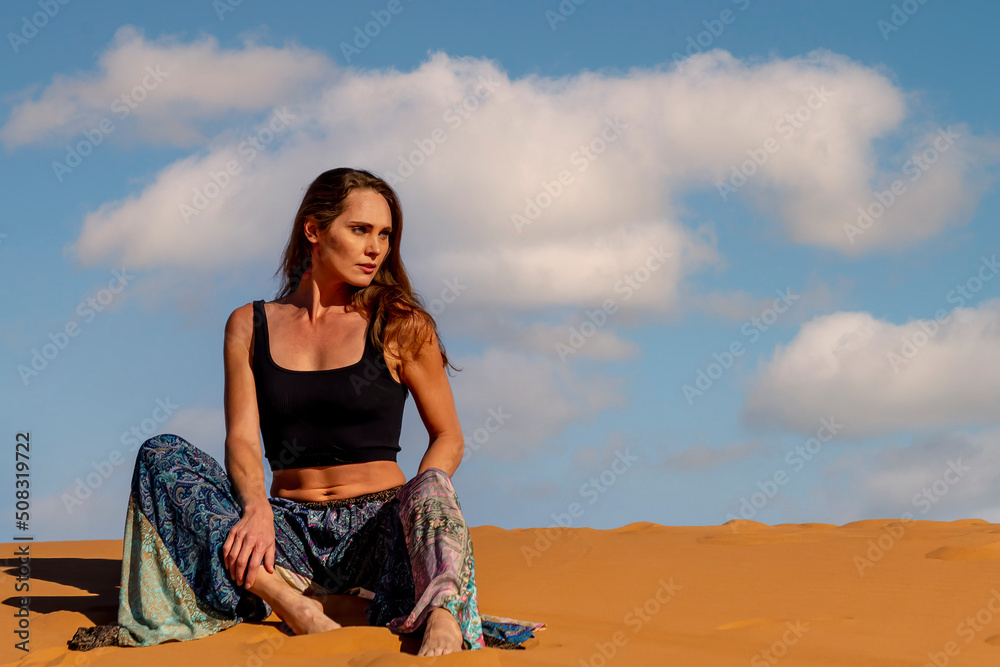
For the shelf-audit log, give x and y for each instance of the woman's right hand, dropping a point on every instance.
(249, 545)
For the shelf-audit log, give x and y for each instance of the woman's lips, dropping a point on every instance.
(367, 268)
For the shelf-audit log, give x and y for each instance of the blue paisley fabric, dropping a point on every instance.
(408, 548)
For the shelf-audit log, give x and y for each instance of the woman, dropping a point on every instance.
(206, 549)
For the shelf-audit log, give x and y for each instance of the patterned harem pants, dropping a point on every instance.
(407, 549)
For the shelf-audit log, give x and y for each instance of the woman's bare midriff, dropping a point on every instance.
(333, 482)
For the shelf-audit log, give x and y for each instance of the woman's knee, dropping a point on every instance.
(432, 479)
(154, 448)
(431, 488)
(431, 483)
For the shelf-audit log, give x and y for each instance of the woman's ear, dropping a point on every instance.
(310, 229)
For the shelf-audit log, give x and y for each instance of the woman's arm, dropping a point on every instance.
(427, 380)
(251, 539)
(243, 459)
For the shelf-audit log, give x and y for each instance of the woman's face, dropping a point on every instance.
(356, 238)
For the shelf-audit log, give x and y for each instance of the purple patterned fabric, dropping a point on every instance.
(440, 551)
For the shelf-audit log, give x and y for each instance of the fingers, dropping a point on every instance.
(262, 555)
(235, 561)
(242, 568)
(236, 568)
(269, 558)
(238, 553)
(248, 566)
(251, 571)
(245, 550)
(232, 555)
(226, 547)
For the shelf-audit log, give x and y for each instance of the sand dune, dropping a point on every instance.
(873, 592)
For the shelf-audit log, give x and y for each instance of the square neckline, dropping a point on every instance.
(270, 359)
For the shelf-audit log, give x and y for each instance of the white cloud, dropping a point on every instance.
(945, 475)
(654, 133)
(842, 365)
(558, 341)
(510, 403)
(740, 305)
(170, 88)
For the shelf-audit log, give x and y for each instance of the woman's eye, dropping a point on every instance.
(362, 230)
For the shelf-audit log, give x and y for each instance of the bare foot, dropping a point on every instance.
(442, 635)
(304, 615)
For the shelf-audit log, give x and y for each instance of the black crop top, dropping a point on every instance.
(352, 414)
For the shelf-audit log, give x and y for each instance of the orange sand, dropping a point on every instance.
(876, 592)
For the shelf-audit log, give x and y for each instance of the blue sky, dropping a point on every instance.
(640, 226)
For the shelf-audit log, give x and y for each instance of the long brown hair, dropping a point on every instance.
(392, 307)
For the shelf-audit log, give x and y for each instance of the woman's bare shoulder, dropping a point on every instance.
(239, 326)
